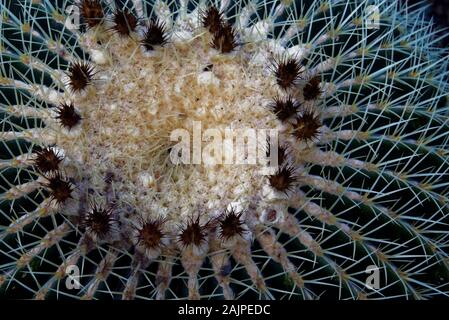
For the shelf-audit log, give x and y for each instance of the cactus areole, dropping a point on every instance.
(222, 149)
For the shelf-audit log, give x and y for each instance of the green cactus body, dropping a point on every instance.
(356, 91)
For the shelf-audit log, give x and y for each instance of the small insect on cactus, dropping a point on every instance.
(355, 90)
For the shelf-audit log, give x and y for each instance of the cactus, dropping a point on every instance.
(359, 182)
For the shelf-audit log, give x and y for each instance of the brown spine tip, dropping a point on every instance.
(282, 154)
(312, 90)
(47, 160)
(92, 12)
(212, 19)
(150, 234)
(287, 72)
(155, 35)
(80, 75)
(307, 126)
(193, 233)
(99, 221)
(67, 116)
(60, 189)
(284, 108)
(284, 179)
(224, 39)
(231, 225)
(124, 22)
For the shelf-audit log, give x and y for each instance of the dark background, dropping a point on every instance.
(439, 12)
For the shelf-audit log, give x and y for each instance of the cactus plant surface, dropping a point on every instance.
(316, 151)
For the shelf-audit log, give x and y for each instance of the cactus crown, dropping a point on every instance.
(359, 178)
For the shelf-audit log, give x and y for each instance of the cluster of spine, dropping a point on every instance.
(364, 173)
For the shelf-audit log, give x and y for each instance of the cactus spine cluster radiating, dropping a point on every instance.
(356, 91)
